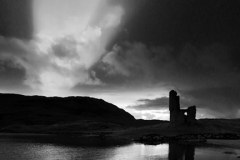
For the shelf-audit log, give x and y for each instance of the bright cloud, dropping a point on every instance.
(65, 46)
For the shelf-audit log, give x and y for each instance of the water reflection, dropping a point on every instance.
(181, 152)
(75, 148)
(139, 151)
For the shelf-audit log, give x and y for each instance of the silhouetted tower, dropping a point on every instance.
(177, 115)
(174, 105)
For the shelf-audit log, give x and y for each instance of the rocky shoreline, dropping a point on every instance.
(155, 139)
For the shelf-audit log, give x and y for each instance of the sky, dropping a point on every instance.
(128, 52)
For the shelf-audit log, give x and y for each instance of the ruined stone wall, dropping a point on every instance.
(181, 118)
(191, 115)
(177, 116)
(174, 116)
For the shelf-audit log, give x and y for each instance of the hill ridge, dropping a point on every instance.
(38, 110)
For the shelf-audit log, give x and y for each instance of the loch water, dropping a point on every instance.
(29, 147)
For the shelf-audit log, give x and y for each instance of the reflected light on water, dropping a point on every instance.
(25, 150)
(35, 151)
(48, 152)
(139, 151)
(52, 152)
(97, 149)
(133, 151)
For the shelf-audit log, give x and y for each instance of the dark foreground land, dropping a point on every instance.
(90, 116)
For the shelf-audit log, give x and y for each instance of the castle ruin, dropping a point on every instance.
(177, 115)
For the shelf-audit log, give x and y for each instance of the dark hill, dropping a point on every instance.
(38, 110)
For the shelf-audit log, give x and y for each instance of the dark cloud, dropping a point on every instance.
(159, 103)
(16, 18)
(20, 61)
(223, 101)
(184, 44)
(134, 62)
(213, 65)
(151, 104)
(16, 22)
(179, 22)
(205, 76)
(12, 77)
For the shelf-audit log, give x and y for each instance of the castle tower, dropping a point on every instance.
(177, 115)
(174, 106)
(174, 103)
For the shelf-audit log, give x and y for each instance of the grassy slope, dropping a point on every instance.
(203, 126)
